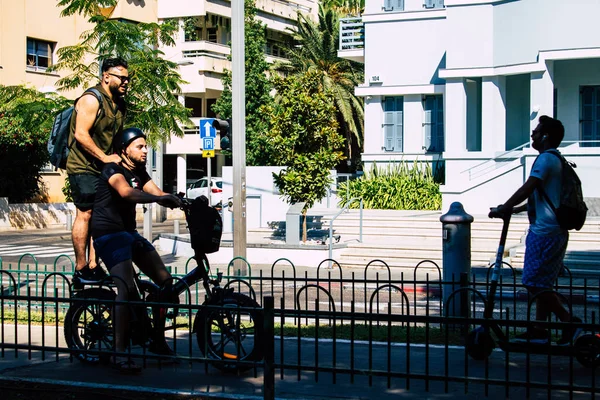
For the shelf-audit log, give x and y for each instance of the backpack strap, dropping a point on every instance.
(541, 189)
(98, 95)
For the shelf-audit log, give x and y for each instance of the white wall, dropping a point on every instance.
(568, 77)
(469, 39)
(406, 52)
(546, 25)
(270, 207)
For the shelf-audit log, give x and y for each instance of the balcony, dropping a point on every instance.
(352, 39)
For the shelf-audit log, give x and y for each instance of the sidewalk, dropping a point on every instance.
(61, 378)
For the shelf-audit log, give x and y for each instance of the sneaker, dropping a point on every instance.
(533, 336)
(98, 273)
(570, 333)
(87, 274)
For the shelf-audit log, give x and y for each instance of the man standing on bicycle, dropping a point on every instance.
(117, 243)
(546, 240)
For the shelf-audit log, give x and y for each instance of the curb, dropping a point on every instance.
(83, 390)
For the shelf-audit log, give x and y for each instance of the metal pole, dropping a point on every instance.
(148, 207)
(209, 178)
(238, 131)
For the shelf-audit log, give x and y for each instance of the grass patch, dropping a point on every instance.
(398, 334)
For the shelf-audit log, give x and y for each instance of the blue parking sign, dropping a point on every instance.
(208, 143)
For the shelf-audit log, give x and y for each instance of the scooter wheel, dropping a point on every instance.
(587, 350)
(479, 344)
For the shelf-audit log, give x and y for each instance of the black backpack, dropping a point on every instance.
(58, 145)
(572, 210)
(205, 226)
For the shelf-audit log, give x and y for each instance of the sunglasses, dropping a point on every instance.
(123, 79)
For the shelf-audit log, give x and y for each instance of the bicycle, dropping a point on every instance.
(228, 328)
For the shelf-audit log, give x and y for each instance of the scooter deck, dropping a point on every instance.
(535, 348)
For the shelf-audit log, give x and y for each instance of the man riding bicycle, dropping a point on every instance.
(117, 243)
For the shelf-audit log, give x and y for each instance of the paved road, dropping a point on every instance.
(47, 244)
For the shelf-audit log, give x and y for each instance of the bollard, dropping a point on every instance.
(176, 227)
(456, 258)
(69, 221)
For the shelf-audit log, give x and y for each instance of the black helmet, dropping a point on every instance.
(128, 136)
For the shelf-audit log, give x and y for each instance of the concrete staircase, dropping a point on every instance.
(583, 251)
(404, 238)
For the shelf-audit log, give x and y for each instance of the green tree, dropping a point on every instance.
(152, 102)
(304, 136)
(258, 88)
(345, 7)
(316, 49)
(26, 118)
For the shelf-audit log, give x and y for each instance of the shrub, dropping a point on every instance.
(400, 186)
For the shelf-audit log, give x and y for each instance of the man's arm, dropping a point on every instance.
(150, 187)
(522, 194)
(118, 182)
(87, 110)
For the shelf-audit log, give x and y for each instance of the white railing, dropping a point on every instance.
(352, 34)
(494, 163)
(508, 156)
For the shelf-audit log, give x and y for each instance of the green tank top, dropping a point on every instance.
(104, 130)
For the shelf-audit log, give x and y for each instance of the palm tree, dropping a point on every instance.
(315, 48)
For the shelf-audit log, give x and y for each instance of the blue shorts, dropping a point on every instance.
(543, 259)
(115, 248)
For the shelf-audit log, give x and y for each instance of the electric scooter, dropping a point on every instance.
(480, 343)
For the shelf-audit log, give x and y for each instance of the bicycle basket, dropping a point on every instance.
(205, 226)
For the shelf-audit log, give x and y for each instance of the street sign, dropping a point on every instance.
(206, 128)
(208, 143)
(208, 153)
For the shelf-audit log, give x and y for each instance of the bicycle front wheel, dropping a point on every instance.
(228, 334)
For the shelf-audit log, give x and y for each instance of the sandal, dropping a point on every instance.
(127, 367)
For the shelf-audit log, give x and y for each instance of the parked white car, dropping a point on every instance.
(200, 187)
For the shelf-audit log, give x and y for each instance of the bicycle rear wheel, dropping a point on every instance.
(89, 326)
(228, 334)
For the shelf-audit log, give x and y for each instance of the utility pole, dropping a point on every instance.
(238, 131)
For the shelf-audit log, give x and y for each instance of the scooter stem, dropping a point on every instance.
(489, 308)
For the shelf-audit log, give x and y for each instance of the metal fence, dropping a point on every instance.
(374, 328)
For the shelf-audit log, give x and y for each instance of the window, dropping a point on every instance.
(393, 5)
(39, 54)
(434, 4)
(212, 35)
(393, 130)
(195, 104)
(433, 125)
(590, 116)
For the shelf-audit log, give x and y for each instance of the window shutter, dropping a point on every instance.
(388, 130)
(398, 143)
(427, 143)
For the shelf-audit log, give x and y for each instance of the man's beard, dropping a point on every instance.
(114, 90)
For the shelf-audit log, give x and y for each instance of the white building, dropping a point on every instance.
(464, 81)
(201, 51)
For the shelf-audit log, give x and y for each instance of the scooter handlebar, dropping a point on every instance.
(501, 212)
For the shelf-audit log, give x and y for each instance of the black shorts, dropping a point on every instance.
(83, 190)
(114, 248)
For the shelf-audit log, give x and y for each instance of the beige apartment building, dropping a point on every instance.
(31, 32)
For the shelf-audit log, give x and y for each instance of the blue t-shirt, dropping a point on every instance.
(548, 168)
